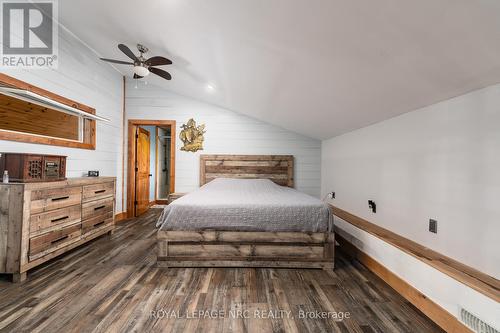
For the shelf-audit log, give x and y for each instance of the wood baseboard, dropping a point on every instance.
(120, 217)
(440, 316)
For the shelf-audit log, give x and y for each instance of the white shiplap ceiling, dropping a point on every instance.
(317, 67)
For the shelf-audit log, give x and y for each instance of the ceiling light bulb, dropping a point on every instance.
(210, 88)
(141, 70)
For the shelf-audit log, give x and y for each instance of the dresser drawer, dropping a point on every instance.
(40, 223)
(97, 207)
(97, 222)
(55, 239)
(50, 199)
(98, 191)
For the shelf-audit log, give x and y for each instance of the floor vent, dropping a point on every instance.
(474, 323)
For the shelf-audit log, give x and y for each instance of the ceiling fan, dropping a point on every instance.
(143, 66)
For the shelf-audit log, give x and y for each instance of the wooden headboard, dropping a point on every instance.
(278, 168)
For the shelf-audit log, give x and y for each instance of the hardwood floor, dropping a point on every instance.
(113, 285)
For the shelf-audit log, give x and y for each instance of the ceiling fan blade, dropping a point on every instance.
(137, 76)
(117, 61)
(158, 61)
(160, 72)
(124, 48)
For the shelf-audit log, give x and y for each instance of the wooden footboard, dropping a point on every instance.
(245, 249)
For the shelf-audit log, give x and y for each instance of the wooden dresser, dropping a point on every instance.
(39, 221)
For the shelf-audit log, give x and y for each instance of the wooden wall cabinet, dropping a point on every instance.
(39, 221)
(59, 129)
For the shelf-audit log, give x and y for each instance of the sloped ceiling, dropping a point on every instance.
(317, 67)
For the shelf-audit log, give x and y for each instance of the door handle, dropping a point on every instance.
(60, 198)
(59, 239)
(150, 175)
(59, 219)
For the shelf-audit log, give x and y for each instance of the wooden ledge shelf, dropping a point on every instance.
(481, 282)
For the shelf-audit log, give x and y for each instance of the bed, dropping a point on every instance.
(246, 214)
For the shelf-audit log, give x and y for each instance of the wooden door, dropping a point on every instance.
(142, 172)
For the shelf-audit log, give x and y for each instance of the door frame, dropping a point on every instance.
(132, 127)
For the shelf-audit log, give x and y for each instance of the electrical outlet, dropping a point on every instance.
(372, 205)
(332, 195)
(433, 226)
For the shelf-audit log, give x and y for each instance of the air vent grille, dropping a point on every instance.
(475, 324)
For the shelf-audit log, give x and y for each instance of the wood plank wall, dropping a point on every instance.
(227, 133)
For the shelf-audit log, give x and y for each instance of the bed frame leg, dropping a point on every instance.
(329, 268)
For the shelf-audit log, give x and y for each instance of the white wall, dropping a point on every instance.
(227, 133)
(81, 76)
(439, 162)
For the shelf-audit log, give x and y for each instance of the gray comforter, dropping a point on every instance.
(246, 205)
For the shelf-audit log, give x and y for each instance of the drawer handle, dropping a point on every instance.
(98, 224)
(60, 198)
(59, 219)
(59, 239)
(100, 207)
(100, 191)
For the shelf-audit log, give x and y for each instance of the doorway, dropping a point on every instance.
(151, 164)
(163, 163)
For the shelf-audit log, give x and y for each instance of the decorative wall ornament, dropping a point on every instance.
(192, 136)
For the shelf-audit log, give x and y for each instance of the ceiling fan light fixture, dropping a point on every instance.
(142, 66)
(141, 70)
